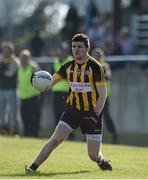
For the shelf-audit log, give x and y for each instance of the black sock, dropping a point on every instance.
(33, 166)
(100, 159)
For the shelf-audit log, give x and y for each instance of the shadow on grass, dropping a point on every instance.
(49, 174)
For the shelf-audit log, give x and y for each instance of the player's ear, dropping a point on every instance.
(88, 47)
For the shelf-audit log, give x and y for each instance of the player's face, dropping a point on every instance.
(6, 51)
(24, 59)
(79, 50)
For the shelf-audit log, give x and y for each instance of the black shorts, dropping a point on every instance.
(89, 122)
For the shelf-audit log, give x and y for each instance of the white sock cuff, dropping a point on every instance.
(94, 137)
(65, 124)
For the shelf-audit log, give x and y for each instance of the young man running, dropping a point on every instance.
(86, 99)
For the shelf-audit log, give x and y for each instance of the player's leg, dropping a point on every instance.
(94, 142)
(94, 146)
(62, 131)
(91, 125)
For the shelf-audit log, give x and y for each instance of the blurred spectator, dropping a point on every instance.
(109, 30)
(96, 31)
(36, 44)
(72, 21)
(8, 82)
(126, 42)
(91, 12)
(112, 47)
(98, 54)
(29, 96)
(61, 89)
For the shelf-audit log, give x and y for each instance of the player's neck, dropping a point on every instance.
(82, 60)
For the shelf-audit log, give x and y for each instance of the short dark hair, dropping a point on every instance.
(81, 38)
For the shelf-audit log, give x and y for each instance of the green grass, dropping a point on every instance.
(70, 160)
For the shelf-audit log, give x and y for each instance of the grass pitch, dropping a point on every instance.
(70, 160)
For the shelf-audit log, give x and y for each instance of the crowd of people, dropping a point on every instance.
(100, 29)
(8, 85)
(15, 73)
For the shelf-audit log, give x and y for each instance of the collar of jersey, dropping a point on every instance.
(87, 58)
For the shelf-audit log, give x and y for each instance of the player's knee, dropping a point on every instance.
(93, 157)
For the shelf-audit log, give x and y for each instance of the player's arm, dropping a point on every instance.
(102, 98)
(61, 74)
(101, 88)
(56, 78)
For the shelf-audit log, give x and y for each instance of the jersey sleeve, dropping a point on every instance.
(62, 71)
(99, 75)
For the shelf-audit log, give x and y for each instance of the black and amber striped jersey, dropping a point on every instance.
(83, 81)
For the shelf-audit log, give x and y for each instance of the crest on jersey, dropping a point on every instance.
(86, 72)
